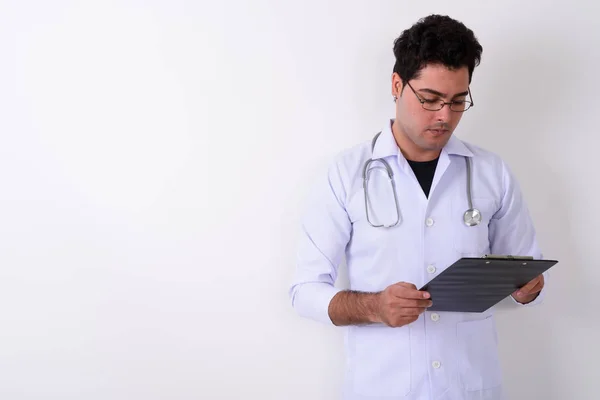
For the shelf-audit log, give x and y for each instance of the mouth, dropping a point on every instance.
(438, 132)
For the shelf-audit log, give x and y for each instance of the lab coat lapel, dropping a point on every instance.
(454, 147)
(441, 168)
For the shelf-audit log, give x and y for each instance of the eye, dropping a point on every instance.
(431, 101)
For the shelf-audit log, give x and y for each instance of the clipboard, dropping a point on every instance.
(476, 284)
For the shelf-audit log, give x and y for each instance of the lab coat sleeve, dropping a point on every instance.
(324, 234)
(511, 229)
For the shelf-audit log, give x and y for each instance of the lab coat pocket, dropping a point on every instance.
(472, 241)
(380, 360)
(479, 364)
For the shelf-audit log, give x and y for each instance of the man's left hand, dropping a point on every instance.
(530, 291)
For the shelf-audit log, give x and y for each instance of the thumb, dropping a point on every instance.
(411, 286)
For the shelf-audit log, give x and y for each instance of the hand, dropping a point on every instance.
(401, 304)
(530, 291)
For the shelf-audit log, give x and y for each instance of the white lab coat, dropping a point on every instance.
(443, 355)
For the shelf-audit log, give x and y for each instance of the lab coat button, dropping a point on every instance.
(435, 317)
(436, 364)
(429, 222)
(431, 269)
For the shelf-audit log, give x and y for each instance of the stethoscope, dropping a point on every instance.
(471, 217)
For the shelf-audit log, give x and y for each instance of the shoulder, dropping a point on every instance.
(350, 161)
(483, 155)
(354, 154)
(488, 161)
(345, 169)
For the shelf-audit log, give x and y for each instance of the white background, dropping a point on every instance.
(155, 157)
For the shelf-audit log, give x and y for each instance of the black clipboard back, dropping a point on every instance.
(477, 284)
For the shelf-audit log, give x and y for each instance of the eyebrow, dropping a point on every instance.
(435, 92)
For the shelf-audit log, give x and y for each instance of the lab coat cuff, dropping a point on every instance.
(314, 301)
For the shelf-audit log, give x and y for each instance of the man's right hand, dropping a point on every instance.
(401, 304)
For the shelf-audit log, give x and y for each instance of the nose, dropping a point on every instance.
(444, 114)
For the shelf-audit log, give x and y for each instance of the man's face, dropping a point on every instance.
(429, 131)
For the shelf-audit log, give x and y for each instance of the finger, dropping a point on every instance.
(411, 311)
(408, 291)
(413, 303)
(406, 285)
(537, 288)
(530, 285)
(539, 281)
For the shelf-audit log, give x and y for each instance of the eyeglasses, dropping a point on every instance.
(438, 104)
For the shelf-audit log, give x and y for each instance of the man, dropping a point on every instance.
(398, 237)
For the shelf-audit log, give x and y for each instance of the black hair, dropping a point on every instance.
(435, 39)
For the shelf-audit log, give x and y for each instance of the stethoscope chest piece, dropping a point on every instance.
(472, 217)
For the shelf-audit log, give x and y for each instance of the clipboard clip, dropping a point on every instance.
(506, 257)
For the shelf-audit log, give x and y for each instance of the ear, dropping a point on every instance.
(396, 85)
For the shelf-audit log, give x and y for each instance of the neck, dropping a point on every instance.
(410, 150)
